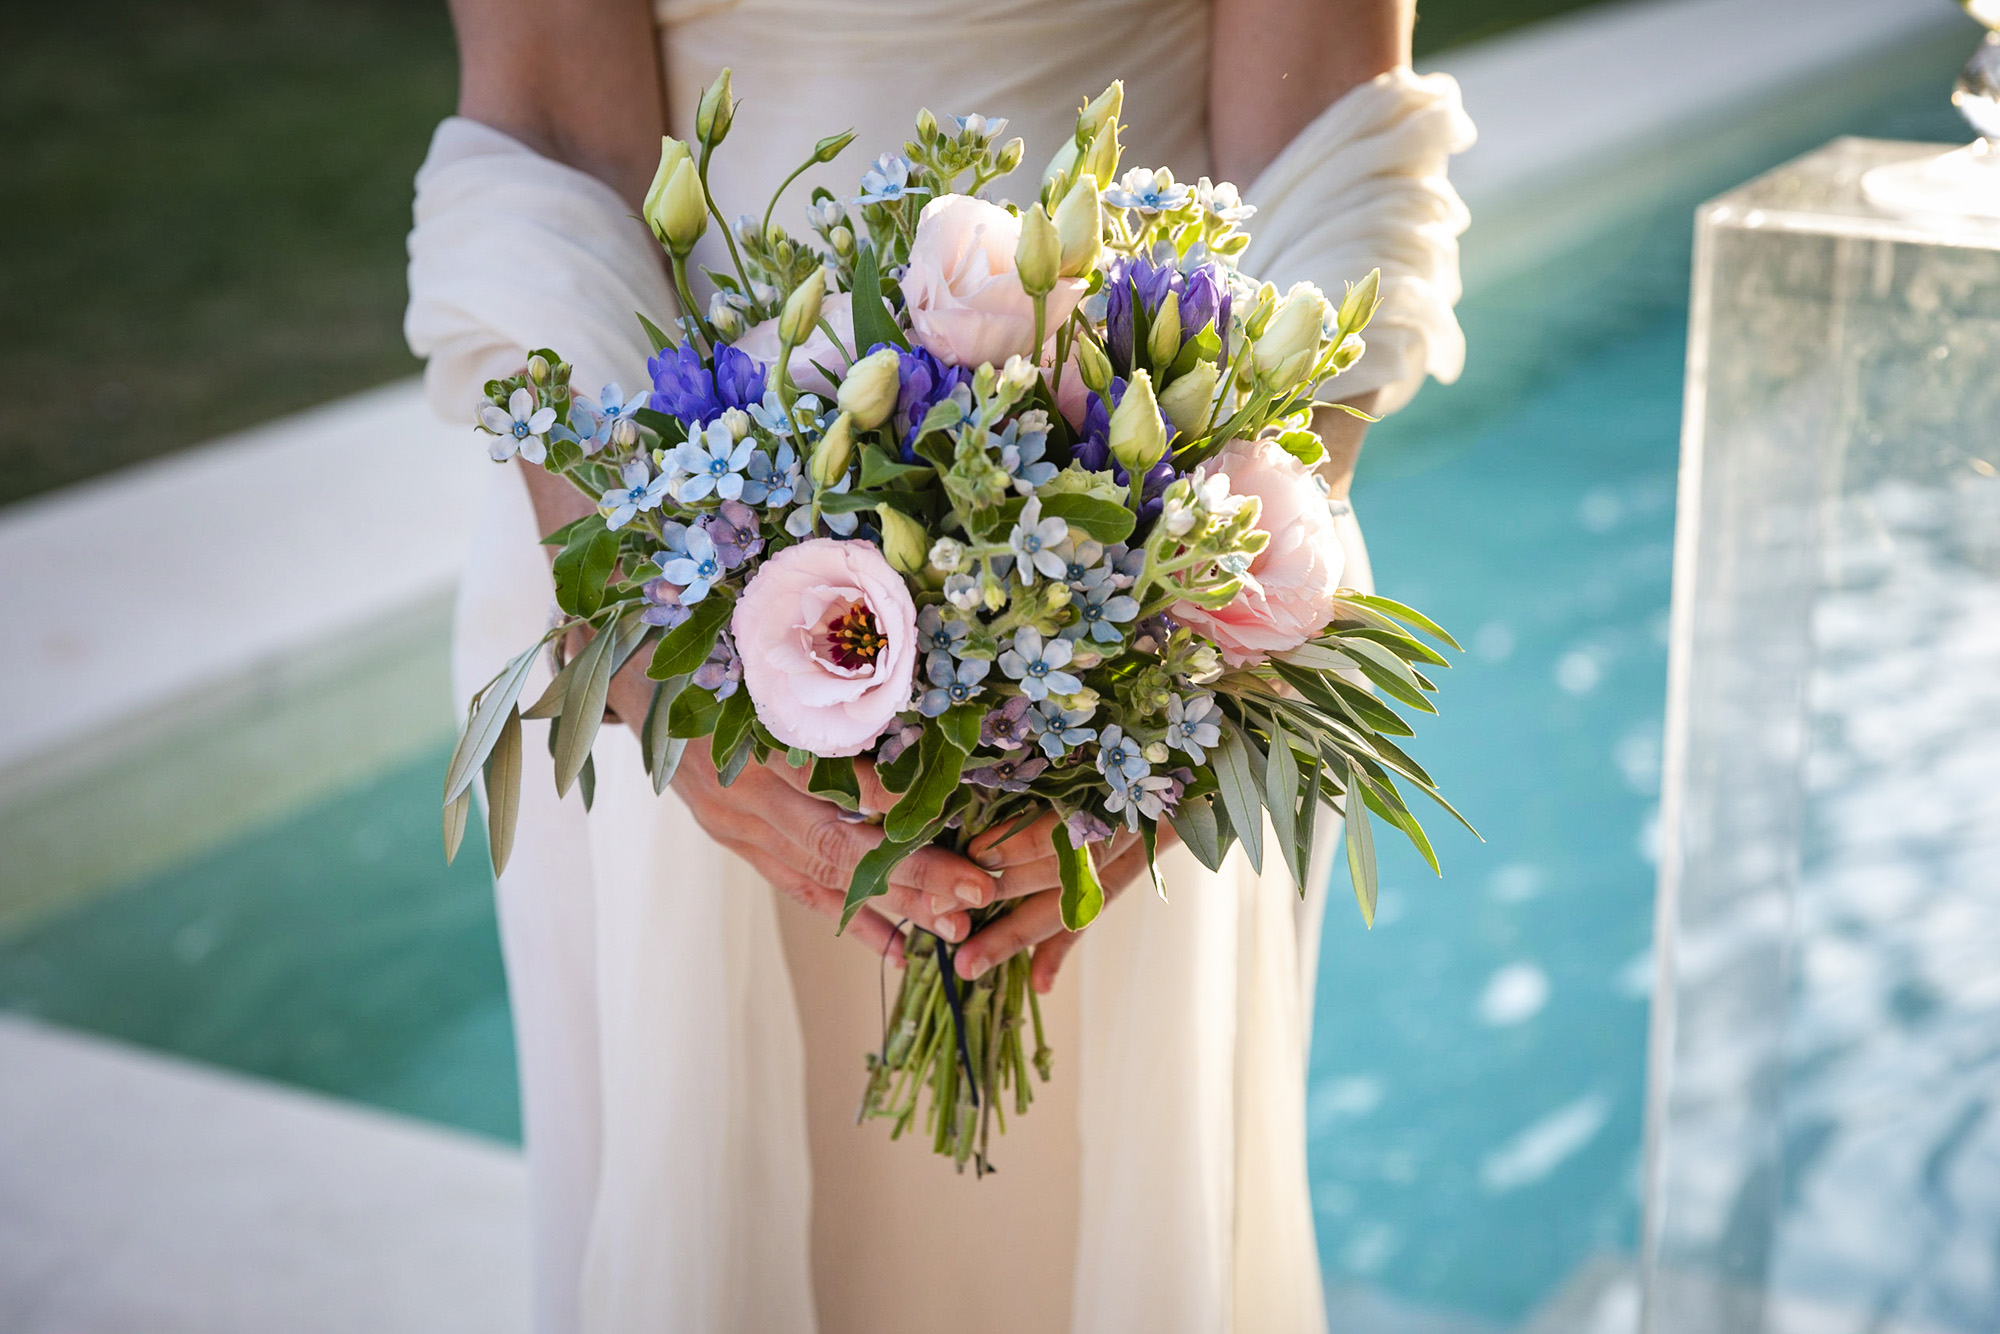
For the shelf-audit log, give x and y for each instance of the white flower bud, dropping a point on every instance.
(1018, 376)
(1096, 367)
(737, 421)
(962, 591)
(902, 539)
(1039, 253)
(842, 238)
(1163, 343)
(625, 433)
(830, 456)
(947, 555)
(926, 125)
(1080, 227)
(801, 313)
(868, 393)
(1102, 110)
(672, 154)
(1138, 437)
(1295, 329)
(1100, 158)
(1156, 753)
(682, 215)
(725, 318)
(1189, 399)
(1009, 156)
(538, 368)
(715, 111)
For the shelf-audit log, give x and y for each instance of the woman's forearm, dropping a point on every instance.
(578, 81)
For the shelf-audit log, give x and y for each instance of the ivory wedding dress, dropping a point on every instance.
(690, 1047)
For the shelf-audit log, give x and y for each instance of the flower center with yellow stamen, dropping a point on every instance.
(852, 640)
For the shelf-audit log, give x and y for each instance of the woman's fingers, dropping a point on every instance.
(1029, 922)
(1005, 845)
(1049, 956)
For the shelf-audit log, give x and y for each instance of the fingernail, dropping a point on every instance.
(988, 858)
(949, 928)
(972, 892)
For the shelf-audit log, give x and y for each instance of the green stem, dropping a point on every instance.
(728, 236)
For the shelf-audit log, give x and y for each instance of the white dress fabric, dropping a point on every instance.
(657, 1030)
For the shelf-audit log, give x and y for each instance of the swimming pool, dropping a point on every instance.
(1478, 1058)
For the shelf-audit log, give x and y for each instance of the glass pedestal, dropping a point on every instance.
(1823, 1148)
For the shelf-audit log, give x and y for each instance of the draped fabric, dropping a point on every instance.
(659, 1038)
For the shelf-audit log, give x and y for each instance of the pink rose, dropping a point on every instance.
(828, 637)
(762, 342)
(965, 301)
(1289, 595)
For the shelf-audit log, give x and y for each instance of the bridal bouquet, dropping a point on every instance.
(1015, 503)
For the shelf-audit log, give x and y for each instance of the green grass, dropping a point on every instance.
(203, 203)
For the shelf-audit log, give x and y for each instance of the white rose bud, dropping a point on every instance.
(1189, 398)
(683, 213)
(1102, 110)
(902, 539)
(1080, 227)
(715, 111)
(801, 313)
(1039, 253)
(1096, 367)
(672, 153)
(830, 456)
(868, 393)
(947, 555)
(1295, 329)
(1138, 437)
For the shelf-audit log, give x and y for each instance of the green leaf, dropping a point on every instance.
(1103, 519)
(549, 704)
(1304, 446)
(873, 322)
(455, 813)
(960, 725)
(1149, 834)
(1365, 708)
(586, 781)
(1360, 849)
(1308, 799)
(1082, 895)
(687, 645)
(1407, 647)
(693, 713)
(834, 780)
(1398, 814)
(878, 469)
(655, 335)
(659, 748)
(503, 791)
(1194, 821)
(937, 777)
(871, 873)
(1388, 672)
(1237, 783)
(1390, 607)
(583, 708)
(583, 565)
(899, 773)
(482, 729)
(560, 537)
(1281, 786)
(732, 731)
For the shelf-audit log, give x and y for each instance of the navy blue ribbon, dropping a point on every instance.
(945, 953)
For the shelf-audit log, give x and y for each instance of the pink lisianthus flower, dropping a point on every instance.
(1289, 595)
(965, 301)
(762, 342)
(828, 636)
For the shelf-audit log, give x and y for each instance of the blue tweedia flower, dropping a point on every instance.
(887, 181)
(1154, 796)
(770, 480)
(723, 670)
(1034, 543)
(1086, 828)
(603, 413)
(1222, 200)
(980, 127)
(1039, 666)
(663, 604)
(690, 560)
(937, 633)
(1119, 758)
(1060, 729)
(1101, 609)
(951, 685)
(735, 532)
(1193, 724)
(922, 382)
(1147, 190)
(1006, 728)
(799, 522)
(1021, 455)
(714, 462)
(642, 491)
(1012, 774)
(769, 413)
(519, 428)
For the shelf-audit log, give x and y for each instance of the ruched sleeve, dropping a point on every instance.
(1362, 187)
(511, 250)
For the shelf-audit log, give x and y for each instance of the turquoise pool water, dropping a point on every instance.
(1478, 1058)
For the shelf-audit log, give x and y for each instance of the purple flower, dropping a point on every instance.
(1093, 451)
(922, 381)
(898, 741)
(1136, 280)
(723, 671)
(1009, 775)
(1006, 728)
(1084, 828)
(663, 604)
(739, 377)
(735, 533)
(685, 389)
